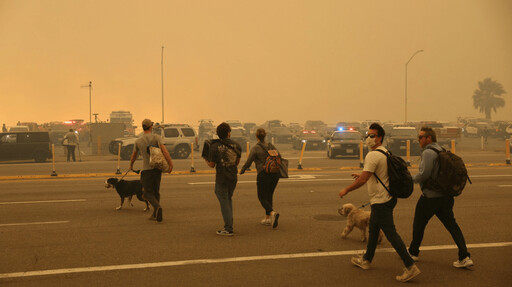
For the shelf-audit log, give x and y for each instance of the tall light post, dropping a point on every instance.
(162, 84)
(90, 108)
(419, 51)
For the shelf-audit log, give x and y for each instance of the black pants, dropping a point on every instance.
(266, 184)
(382, 218)
(71, 152)
(150, 180)
(442, 207)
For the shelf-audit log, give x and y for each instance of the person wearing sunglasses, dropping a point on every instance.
(382, 205)
(434, 202)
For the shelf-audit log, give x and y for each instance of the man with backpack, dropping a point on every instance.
(434, 199)
(382, 204)
(224, 156)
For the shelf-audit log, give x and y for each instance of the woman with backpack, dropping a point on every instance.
(266, 181)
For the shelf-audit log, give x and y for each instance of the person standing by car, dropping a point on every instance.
(150, 177)
(434, 202)
(382, 205)
(71, 141)
(224, 156)
(265, 182)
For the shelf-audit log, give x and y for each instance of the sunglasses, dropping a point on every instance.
(420, 137)
(370, 136)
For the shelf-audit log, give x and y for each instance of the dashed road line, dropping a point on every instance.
(229, 260)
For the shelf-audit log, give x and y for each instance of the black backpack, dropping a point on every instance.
(400, 179)
(452, 176)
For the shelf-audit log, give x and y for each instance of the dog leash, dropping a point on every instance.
(365, 205)
(136, 171)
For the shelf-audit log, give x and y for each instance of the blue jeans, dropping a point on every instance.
(442, 207)
(224, 193)
(382, 218)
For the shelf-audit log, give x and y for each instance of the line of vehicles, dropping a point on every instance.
(340, 140)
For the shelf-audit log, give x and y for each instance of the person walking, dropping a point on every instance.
(382, 205)
(4, 128)
(433, 201)
(265, 182)
(71, 141)
(150, 177)
(224, 156)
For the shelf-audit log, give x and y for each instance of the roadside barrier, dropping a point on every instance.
(453, 146)
(247, 152)
(302, 154)
(192, 169)
(118, 158)
(507, 151)
(408, 153)
(53, 160)
(361, 156)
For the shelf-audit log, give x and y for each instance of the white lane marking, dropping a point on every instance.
(42, 201)
(33, 223)
(491, 175)
(281, 180)
(505, 185)
(232, 259)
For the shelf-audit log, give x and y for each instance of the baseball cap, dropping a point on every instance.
(147, 123)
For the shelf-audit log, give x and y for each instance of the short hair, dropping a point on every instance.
(222, 130)
(261, 134)
(70, 130)
(429, 132)
(379, 129)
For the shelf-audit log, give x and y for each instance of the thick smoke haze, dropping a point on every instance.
(251, 60)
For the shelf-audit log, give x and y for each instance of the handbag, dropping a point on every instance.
(283, 170)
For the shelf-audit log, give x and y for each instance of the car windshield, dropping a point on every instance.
(346, 136)
(311, 135)
(404, 133)
(282, 130)
(237, 133)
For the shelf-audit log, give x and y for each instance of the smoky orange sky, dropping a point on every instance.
(251, 60)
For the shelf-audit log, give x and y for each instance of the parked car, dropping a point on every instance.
(313, 140)
(19, 129)
(280, 135)
(238, 135)
(396, 141)
(177, 139)
(25, 145)
(344, 143)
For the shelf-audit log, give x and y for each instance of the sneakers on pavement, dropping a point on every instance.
(159, 214)
(224, 233)
(464, 263)
(360, 262)
(409, 273)
(274, 217)
(266, 221)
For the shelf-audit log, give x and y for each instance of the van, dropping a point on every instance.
(24, 146)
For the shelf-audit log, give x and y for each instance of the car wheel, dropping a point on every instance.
(40, 156)
(126, 152)
(181, 151)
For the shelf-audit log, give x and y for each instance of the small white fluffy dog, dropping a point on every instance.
(356, 218)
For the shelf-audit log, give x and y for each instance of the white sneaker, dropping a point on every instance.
(464, 263)
(414, 258)
(408, 274)
(360, 262)
(266, 221)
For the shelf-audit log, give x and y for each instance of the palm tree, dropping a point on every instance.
(488, 97)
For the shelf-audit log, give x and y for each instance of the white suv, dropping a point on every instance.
(177, 139)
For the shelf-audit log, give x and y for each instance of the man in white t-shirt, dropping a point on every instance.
(382, 204)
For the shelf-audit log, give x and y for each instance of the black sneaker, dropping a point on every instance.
(159, 214)
(274, 217)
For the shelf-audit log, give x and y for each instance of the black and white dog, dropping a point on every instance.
(127, 189)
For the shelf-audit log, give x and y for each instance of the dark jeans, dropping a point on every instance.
(71, 152)
(224, 192)
(266, 184)
(442, 207)
(150, 180)
(382, 218)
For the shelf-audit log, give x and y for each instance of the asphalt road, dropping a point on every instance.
(66, 232)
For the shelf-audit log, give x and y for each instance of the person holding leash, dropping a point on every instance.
(434, 202)
(265, 182)
(150, 177)
(382, 205)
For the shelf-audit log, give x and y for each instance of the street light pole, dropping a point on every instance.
(162, 84)
(419, 51)
(90, 105)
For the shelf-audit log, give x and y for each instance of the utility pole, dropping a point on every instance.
(162, 84)
(90, 108)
